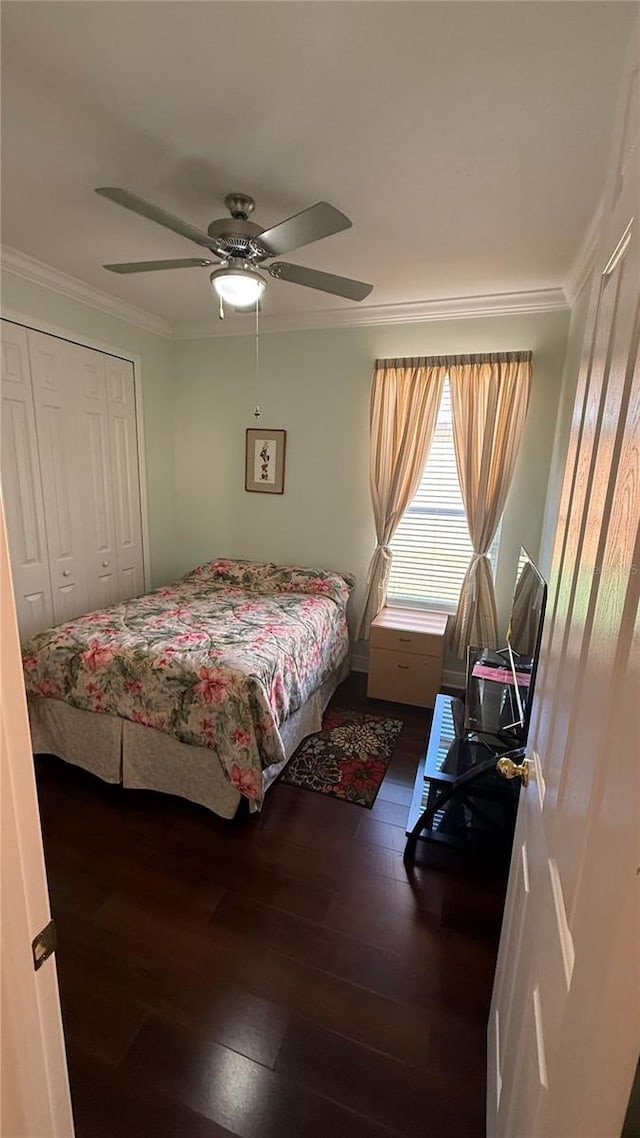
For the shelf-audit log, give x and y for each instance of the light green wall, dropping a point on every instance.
(571, 371)
(316, 386)
(199, 397)
(41, 303)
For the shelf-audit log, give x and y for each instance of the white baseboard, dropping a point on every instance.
(453, 679)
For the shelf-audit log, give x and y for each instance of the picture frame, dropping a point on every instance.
(264, 460)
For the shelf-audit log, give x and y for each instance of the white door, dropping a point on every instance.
(34, 1102)
(22, 486)
(58, 429)
(126, 481)
(564, 1029)
(88, 374)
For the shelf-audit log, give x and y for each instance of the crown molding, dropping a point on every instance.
(239, 324)
(584, 260)
(21, 265)
(454, 308)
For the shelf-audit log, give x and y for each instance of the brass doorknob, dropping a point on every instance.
(508, 769)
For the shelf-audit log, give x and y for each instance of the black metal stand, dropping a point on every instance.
(453, 790)
(459, 798)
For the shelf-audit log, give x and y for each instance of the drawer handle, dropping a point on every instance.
(404, 639)
(105, 564)
(66, 572)
(404, 667)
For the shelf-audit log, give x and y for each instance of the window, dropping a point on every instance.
(431, 546)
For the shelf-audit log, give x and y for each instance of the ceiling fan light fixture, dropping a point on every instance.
(240, 288)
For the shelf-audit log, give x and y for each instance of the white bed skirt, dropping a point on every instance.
(118, 750)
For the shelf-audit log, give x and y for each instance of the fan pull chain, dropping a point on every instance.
(256, 413)
(221, 311)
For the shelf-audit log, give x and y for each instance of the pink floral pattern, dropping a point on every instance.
(219, 659)
(97, 655)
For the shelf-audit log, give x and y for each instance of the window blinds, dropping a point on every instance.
(431, 546)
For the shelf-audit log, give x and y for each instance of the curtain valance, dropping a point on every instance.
(455, 361)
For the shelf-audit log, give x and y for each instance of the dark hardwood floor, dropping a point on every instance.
(273, 977)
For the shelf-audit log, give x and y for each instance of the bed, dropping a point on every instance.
(203, 688)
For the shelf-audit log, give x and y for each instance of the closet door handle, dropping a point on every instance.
(105, 564)
(66, 572)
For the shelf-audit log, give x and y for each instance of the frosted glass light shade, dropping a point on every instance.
(240, 288)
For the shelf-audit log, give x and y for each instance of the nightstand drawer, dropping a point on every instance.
(404, 677)
(418, 631)
(404, 640)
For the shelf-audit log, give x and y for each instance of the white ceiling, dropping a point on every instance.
(466, 141)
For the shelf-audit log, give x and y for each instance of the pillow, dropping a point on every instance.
(267, 577)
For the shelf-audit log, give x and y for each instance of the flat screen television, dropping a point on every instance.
(524, 633)
(500, 684)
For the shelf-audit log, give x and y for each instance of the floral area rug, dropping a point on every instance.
(348, 758)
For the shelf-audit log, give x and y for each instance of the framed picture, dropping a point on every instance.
(264, 461)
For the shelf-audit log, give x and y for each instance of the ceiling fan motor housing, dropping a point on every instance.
(233, 237)
(234, 228)
(236, 233)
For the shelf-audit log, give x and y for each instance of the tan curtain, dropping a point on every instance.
(489, 396)
(405, 398)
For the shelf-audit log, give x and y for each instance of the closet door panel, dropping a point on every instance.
(21, 487)
(126, 484)
(89, 373)
(71, 475)
(58, 435)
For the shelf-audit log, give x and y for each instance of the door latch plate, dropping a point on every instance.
(43, 945)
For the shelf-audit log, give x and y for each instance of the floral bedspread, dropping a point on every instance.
(219, 659)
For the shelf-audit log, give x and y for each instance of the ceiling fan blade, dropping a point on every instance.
(153, 266)
(319, 220)
(154, 213)
(326, 282)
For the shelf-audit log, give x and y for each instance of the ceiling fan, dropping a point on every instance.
(240, 246)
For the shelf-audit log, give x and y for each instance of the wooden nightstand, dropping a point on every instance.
(406, 652)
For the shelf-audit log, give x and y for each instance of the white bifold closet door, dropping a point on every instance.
(84, 460)
(22, 487)
(123, 442)
(63, 467)
(106, 421)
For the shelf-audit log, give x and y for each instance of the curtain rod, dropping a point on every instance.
(444, 361)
